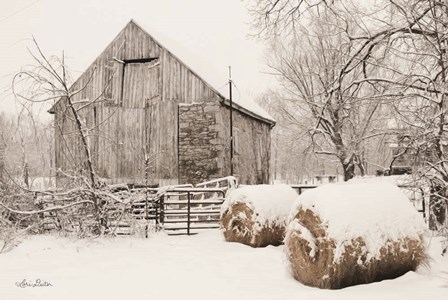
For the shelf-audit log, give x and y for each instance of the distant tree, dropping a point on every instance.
(293, 160)
(28, 147)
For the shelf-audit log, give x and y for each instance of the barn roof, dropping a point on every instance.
(247, 107)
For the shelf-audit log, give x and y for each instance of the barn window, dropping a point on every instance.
(139, 82)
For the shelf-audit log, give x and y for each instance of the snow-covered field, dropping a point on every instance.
(203, 266)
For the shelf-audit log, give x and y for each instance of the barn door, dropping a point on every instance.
(151, 97)
(140, 93)
(161, 139)
(161, 129)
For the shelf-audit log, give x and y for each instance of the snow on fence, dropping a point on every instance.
(185, 210)
(225, 183)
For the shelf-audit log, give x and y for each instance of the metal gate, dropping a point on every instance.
(185, 211)
(180, 210)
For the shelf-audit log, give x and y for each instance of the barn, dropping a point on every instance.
(149, 118)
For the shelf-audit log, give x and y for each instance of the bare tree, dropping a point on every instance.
(277, 17)
(321, 94)
(420, 78)
(293, 160)
(48, 81)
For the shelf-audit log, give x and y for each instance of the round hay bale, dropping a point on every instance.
(341, 235)
(257, 215)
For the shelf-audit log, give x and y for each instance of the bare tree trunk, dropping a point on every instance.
(362, 169)
(348, 168)
(86, 150)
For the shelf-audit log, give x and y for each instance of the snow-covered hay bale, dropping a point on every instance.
(256, 215)
(341, 235)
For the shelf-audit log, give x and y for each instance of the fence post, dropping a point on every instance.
(156, 212)
(423, 204)
(188, 214)
(162, 209)
(146, 204)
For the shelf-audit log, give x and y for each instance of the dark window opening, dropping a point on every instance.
(139, 60)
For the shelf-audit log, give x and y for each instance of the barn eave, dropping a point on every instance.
(247, 112)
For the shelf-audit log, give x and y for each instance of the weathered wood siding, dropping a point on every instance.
(163, 140)
(252, 147)
(134, 136)
(181, 84)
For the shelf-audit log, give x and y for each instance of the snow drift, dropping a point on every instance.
(346, 234)
(257, 215)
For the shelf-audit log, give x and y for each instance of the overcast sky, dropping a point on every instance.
(208, 35)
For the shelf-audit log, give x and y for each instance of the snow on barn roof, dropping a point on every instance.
(186, 55)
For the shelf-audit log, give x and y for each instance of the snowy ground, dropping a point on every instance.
(203, 266)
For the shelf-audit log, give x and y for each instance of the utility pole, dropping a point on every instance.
(231, 120)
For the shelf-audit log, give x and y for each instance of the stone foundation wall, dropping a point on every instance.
(200, 142)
